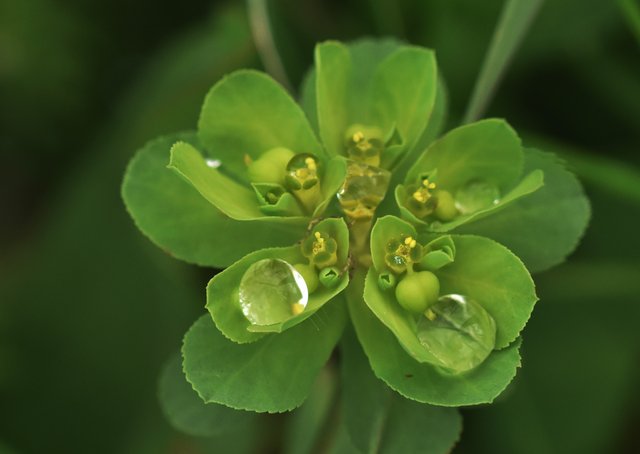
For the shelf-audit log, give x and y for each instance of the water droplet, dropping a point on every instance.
(272, 291)
(476, 195)
(213, 163)
(363, 190)
(458, 331)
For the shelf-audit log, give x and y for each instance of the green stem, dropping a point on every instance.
(265, 42)
(516, 17)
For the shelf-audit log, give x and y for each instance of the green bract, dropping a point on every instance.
(302, 208)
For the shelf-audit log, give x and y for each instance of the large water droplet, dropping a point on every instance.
(476, 195)
(457, 331)
(272, 291)
(363, 190)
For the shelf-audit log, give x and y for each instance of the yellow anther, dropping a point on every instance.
(428, 184)
(297, 308)
(421, 195)
(409, 241)
(430, 314)
(358, 136)
(311, 164)
(318, 244)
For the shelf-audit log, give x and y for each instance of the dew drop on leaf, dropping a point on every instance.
(458, 331)
(476, 195)
(272, 291)
(213, 163)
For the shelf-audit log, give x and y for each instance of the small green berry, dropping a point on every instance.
(309, 274)
(446, 206)
(271, 166)
(417, 291)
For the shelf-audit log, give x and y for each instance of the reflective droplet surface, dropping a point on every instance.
(457, 331)
(476, 195)
(272, 291)
(213, 163)
(363, 190)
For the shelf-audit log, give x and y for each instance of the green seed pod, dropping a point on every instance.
(309, 274)
(386, 281)
(446, 206)
(329, 277)
(417, 291)
(271, 166)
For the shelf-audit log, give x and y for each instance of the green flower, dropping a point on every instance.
(301, 206)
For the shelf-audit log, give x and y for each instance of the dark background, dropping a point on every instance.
(90, 310)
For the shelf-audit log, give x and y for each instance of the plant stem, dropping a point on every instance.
(514, 21)
(265, 43)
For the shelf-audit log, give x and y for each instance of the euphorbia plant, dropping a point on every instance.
(355, 210)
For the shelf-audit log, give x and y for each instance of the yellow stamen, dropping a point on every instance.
(311, 164)
(358, 136)
(318, 245)
(430, 314)
(297, 308)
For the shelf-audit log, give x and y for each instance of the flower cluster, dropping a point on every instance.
(353, 207)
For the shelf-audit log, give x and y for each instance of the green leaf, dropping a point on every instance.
(489, 150)
(286, 205)
(380, 421)
(233, 199)
(545, 227)
(248, 113)
(529, 184)
(483, 271)
(305, 425)
(493, 276)
(401, 323)
(274, 374)
(331, 181)
(435, 126)
(223, 298)
(366, 55)
(420, 381)
(188, 413)
(333, 71)
(175, 217)
(438, 253)
(224, 305)
(403, 95)
(514, 21)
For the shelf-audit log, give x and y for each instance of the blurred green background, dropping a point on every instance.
(90, 310)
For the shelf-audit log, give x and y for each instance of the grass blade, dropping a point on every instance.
(514, 21)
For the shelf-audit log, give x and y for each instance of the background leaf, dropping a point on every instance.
(545, 227)
(274, 374)
(380, 421)
(188, 413)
